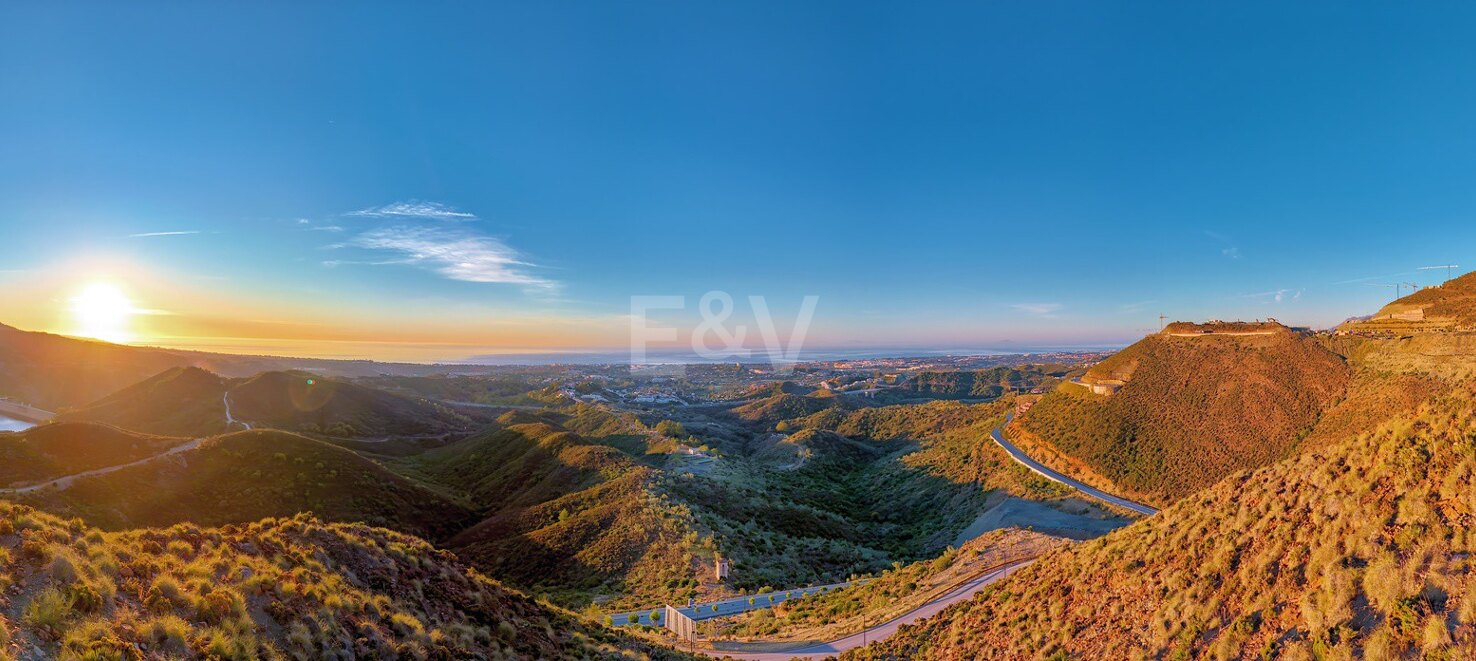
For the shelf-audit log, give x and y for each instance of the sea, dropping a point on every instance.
(11, 424)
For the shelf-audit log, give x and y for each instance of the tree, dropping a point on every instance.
(563, 515)
(632, 619)
(655, 615)
(671, 428)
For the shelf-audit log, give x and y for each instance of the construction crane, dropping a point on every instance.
(1448, 269)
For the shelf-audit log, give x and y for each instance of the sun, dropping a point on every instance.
(102, 311)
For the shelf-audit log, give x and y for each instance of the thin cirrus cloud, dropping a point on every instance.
(1038, 309)
(1277, 295)
(415, 209)
(141, 235)
(455, 255)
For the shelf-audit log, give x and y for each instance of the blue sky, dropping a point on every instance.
(944, 175)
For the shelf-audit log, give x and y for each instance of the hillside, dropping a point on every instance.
(520, 465)
(1181, 409)
(252, 475)
(54, 371)
(1448, 307)
(183, 401)
(298, 401)
(271, 589)
(985, 383)
(58, 449)
(190, 401)
(1363, 549)
(786, 405)
(561, 514)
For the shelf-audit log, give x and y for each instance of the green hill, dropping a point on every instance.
(562, 515)
(785, 405)
(272, 589)
(520, 465)
(59, 449)
(252, 475)
(1187, 408)
(1360, 550)
(183, 401)
(190, 401)
(985, 383)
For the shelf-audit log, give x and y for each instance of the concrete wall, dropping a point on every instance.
(19, 411)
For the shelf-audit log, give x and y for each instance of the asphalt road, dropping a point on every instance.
(1049, 474)
(880, 631)
(726, 607)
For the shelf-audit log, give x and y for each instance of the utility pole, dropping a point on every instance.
(1161, 318)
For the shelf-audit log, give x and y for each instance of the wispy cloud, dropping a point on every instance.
(1227, 245)
(1352, 281)
(175, 233)
(415, 209)
(1277, 295)
(1038, 309)
(1135, 306)
(454, 254)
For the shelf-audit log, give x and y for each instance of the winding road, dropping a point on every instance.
(229, 420)
(726, 607)
(64, 482)
(872, 634)
(1054, 476)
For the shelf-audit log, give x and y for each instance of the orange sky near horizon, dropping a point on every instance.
(131, 305)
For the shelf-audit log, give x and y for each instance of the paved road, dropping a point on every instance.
(64, 482)
(229, 420)
(880, 631)
(726, 607)
(1052, 475)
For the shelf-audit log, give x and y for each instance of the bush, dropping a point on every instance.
(49, 610)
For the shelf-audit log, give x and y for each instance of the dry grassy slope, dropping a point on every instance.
(1361, 549)
(273, 589)
(66, 448)
(1448, 307)
(1194, 409)
(252, 475)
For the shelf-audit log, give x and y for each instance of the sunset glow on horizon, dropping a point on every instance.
(101, 311)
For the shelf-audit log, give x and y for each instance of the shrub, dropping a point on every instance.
(49, 610)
